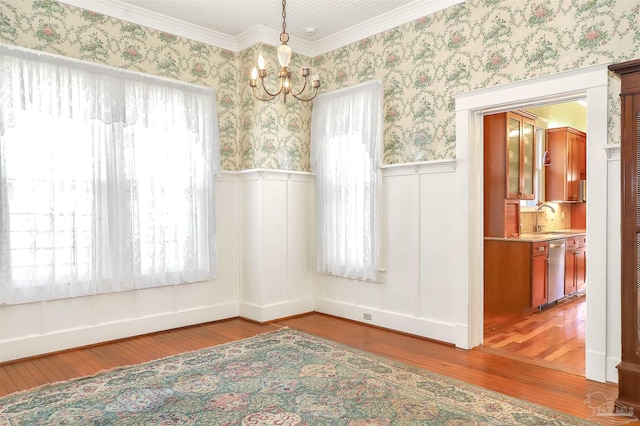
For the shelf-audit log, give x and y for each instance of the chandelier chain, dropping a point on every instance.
(284, 17)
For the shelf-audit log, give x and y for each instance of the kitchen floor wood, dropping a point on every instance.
(552, 338)
(551, 388)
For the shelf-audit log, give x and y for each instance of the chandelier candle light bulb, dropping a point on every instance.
(284, 57)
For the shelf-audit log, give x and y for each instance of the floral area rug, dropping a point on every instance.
(281, 378)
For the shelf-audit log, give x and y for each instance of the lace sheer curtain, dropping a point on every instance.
(346, 141)
(106, 179)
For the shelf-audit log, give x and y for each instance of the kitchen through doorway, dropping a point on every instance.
(535, 240)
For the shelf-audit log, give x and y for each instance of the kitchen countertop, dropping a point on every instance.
(542, 236)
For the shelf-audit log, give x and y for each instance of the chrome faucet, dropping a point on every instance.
(539, 206)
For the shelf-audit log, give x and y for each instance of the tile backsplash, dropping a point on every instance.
(560, 219)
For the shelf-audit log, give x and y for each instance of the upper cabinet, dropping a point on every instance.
(567, 151)
(520, 157)
(509, 165)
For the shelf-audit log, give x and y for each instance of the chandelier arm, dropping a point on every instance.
(304, 86)
(273, 95)
(268, 98)
(300, 98)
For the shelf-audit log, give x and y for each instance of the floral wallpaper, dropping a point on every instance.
(273, 135)
(423, 64)
(55, 27)
(478, 44)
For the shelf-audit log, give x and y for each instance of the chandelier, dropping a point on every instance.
(284, 56)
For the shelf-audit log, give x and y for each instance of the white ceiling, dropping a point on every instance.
(238, 24)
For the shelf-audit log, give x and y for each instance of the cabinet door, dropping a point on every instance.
(528, 159)
(582, 155)
(513, 156)
(569, 272)
(538, 280)
(567, 151)
(581, 268)
(573, 166)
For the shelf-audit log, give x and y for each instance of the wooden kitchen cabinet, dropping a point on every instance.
(539, 265)
(570, 266)
(508, 170)
(582, 157)
(581, 263)
(575, 264)
(515, 275)
(567, 150)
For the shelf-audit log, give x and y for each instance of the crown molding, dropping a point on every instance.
(394, 18)
(140, 16)
(261, 34)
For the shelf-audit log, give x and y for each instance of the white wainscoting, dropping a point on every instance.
(416, 292)
(266, 262)
(276, 273)
(265, 225)
(614, 267)
(36, 328)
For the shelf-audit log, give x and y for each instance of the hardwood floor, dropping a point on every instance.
(551, 388)
(552, 338)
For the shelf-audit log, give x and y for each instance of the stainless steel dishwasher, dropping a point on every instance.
(555, 277)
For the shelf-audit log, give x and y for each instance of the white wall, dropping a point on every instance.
(277, 244)
(433, 286)
(614, 267)
(415, 295)
(35, 328)
(264, 221)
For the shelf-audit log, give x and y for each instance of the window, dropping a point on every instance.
(106, 179)
(346, 139)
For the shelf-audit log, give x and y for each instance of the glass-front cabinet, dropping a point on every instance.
(520, 157)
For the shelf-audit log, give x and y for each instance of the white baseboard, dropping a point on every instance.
(594, 363)
(612, 370)
(279, 310)
(462, 336)
(97, 333)
(424, 327)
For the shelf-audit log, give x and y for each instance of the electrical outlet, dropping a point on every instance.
(367, 317)
(562, 215)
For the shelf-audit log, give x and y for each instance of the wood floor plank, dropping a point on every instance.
(13, 379)
(550, 387)
(555, 335)
(45, 372)
(95, 363)
(30, 374)
(530, 381)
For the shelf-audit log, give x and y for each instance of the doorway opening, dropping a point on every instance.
(591, 83)
(539, 316)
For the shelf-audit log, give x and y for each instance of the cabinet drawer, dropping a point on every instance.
(539, 249)
(581, 241)
(571, 243)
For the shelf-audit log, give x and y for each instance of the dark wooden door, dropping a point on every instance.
(629, 367)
